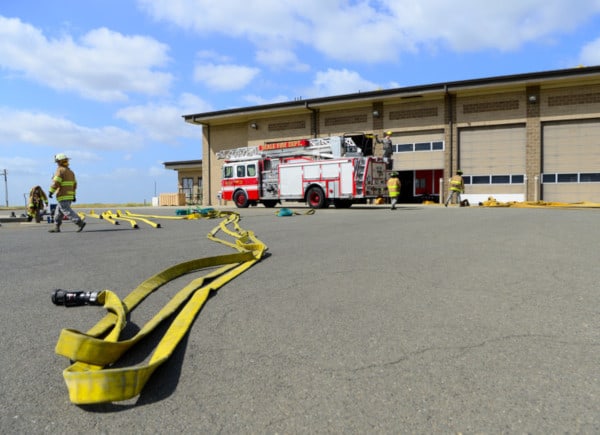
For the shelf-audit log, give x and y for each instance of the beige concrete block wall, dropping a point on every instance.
(445, 113)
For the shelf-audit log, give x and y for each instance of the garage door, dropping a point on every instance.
(493, 160)
(571, 161)
(418, 150)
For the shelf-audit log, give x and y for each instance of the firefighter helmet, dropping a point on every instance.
(388, 133)
(60, 157)
(459, 172)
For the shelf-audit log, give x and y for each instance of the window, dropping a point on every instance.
(227, 171)
(494, 179)
(403, 147)
(241, 171)
(418, 146)
(590, 177)
(584, 177)
(187, 187)
(252, 170)
(481, 179)
(500, 179)
(567, 178)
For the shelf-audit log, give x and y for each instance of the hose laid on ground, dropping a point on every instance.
(91, 379)
(492, 202)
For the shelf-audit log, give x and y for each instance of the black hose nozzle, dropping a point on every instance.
(74, 298)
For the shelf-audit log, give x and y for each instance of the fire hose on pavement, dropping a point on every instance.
(90, 378)
(492, 202)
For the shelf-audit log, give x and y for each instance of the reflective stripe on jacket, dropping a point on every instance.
(64, 184)
(456, 183)
(393, 186)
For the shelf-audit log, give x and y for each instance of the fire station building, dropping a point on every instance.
(522, 137)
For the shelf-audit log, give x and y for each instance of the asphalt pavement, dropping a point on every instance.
(363, 320)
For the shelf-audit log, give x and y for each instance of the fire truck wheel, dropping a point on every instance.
(315, 197)
(241, 199)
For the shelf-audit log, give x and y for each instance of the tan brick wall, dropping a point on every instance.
(570, 102)
(494, 108)
(447, 113)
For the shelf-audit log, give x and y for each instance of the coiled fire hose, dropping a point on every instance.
(90, 378)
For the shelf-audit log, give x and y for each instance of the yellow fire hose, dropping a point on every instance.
(91, 379)
(492, 202)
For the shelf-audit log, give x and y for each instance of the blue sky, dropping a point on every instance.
(107, 81)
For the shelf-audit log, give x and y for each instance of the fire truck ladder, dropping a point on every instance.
(317, 147)
(360, 172)
(239, 153)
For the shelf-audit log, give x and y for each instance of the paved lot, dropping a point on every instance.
(422, 320)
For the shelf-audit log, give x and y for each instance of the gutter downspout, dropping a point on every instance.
(208, 162)
(449, 114)
(314, 120)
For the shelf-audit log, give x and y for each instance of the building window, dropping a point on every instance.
(187, 185)
(584, 177)
(480, 179)
(494, 179)
(418, 147)
(500, 179)
(403, 148)
(567, 178)
(593, 177)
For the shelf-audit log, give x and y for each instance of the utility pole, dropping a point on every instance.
(4, 172)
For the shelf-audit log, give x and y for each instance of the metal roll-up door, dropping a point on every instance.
(571, 161)
(493, 160)
(493, 150)
(418, 150)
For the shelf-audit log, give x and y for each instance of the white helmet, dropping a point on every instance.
(60, 157)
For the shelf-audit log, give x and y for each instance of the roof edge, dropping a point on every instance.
(442, 86)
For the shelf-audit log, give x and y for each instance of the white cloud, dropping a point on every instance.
(32, 128)
(590, 53)
(339, 82)
(164, 123)
(377, 31)
(281, 59)
(225, 77)
(104, 65)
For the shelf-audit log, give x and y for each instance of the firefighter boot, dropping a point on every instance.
(80, 224)
(56, 229)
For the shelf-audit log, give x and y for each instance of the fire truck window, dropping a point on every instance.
(252, 170)
(227, 172)
(241, 171)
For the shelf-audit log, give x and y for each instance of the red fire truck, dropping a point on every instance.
(319, 171)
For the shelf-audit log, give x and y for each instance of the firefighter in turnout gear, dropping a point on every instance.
(64, 185)
(387, 148)
(457, 186)
(393, 186)
(36, 204)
